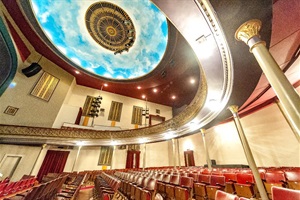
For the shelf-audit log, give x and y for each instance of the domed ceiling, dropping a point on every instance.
(113, 40)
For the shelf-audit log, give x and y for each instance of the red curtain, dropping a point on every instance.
(54, 162)
(77, 121)
(133, 159)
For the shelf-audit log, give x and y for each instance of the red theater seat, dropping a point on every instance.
(293, 179)
(279, 193)
(216, 183)
(220, 195)
(185, 189)
(245, 185)
(200, 186)
(273, 178)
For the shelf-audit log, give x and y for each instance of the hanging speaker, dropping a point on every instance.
(32, 70)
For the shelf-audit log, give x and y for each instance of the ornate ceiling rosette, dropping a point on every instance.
(110, 26)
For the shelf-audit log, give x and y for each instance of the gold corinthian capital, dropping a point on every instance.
(234, 109)
(248, 30)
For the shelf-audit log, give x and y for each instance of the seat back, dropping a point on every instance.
(279, 193)
(244, 178)
(194, 176)
(221, 195)
(217, 180)
(204, 178)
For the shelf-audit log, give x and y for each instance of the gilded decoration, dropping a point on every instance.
(248, 30)
(233, 109)
(110, 26)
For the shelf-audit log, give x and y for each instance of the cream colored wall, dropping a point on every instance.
(29, 155)
(270, 138)
(156, 154)
(77, 99)
(33, 111)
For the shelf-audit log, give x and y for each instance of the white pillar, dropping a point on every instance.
(43, 146)
(208, 161)
(248, 153)
(144, 157)
(79, 148)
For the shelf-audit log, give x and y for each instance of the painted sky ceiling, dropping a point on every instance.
(63, 22)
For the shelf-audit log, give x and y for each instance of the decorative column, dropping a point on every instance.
(287, 119)
(79, 148)
(43, 146)
(248, 153)
(113, 157)
(178, 153)
(174, 153)
(144, 157)
(206, 150)
(249, 33)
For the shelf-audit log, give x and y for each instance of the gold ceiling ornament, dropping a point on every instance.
(248, 30)
(110, 26)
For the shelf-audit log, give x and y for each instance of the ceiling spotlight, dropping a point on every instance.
(105, 84)
(113, 143)
(192, 81)
(77, 72)
(154, 90)
(138, 87)
(142, 140)
(173, 97)
(80, 143)
(143, 96)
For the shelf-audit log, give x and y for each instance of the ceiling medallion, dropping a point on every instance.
(110, 26)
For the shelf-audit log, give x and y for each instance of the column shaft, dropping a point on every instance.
(174, 153)
(76, 158)
(144, 157)
(248, 153)
(178, 153)
(208, 161)
(290, 100)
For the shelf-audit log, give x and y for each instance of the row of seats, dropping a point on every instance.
(8, 188)
(278, 193)
(136, 187)
(106, 186)
(43, 191)
(204, 186)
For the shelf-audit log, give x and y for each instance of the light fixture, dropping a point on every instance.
(105, 84)
(192, 81)
(77, 72)
(144, 96)
(80, 143)
(173, 97)
(154, 90)
(138, 87)
(142, 140)
(113, 143)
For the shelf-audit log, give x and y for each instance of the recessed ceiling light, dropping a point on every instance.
(173, 97)
(80, 143)
(143, 96)
(77, 72)
(154, 90)
(138, 87)
(113, 143)
(142, 140)
(192, 81)
(105, 84)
